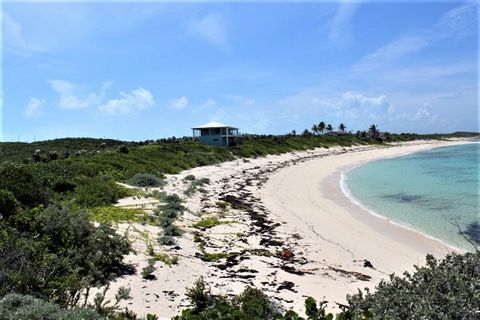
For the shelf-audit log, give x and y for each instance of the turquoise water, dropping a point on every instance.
(430, 191)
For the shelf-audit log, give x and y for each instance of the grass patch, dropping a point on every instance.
(209, 222)
(211, 257)
(120, 215)
(169, 260)
(207, 256)
(222, 205)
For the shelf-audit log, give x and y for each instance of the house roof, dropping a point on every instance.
(213, 125)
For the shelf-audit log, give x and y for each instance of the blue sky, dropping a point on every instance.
(151, 70)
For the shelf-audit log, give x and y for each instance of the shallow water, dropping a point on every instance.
(430, 191)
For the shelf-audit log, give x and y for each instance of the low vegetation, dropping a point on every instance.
(121, 215)
(146, 180)
(209, 222)
(166, 215)
(56, 253)
(149, 269)
(194, 184)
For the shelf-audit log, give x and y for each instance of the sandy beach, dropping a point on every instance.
(288, 229)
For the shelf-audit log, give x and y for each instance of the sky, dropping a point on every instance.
(137, 71)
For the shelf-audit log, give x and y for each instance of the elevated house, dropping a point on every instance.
(216, 133)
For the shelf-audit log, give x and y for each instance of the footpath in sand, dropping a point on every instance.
(286, 229)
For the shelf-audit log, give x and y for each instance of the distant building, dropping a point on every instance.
(216, 133)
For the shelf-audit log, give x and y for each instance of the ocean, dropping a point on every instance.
(434, 192)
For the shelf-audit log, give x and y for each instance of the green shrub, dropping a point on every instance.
(251, 304)
(56, 252)
(8, 204)
(254, 304)
(199, 295)
(147, 272)
(24, 307)
(446, 289)
(189, 177)
(98, 191)
(146, 180)
(172, 231)
(25, 184)
(166, 240)
(201, 182)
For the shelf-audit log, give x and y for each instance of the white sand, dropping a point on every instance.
(329, 235)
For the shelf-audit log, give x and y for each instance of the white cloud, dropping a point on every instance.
(34, 108)
(459, 22)
(243, 100)
(390, 52)
(137, 100)
(12, 31)
(178, 103)
(209, 103)
(69, 97)
(340, 31)
(220, 115)
(212, 29)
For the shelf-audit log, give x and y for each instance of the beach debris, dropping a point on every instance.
(287, 254)
(292, 270)
(358, 275)
(286, 285)
(367, 264)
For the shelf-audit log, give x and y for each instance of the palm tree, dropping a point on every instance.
(373, 131)
(321, 127)
(342, 127)
(315, 129)
(329, 127)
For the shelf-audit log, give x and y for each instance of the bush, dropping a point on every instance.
(54, 253)
(251, 304)
(199, 295)
(189, 177)
(446, 289)
(166, 240)
(254, 304)
(98, 191)
(146, 180)
(149, 269)
(172, 231)
(25, 185)
(8, 204)
(24, 307)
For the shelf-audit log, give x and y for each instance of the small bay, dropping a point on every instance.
(434, 192)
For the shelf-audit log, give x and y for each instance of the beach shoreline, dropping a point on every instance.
(281, 202)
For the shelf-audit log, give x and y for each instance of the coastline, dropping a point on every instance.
(312, 194)
(281, 202)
